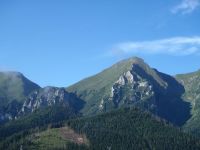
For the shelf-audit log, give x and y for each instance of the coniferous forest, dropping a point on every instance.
(127, 128)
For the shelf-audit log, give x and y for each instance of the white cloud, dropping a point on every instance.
(186, 6)
(170, 46)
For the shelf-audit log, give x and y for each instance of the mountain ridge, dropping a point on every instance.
(130, 82)
(133, 82)
(14, 88)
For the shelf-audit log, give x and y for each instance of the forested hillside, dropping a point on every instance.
(127, 128)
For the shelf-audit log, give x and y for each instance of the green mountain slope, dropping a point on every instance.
(127, 128)
(14, 88)
(132, 82)
(111, 75)
(99, 87)
(191, 82)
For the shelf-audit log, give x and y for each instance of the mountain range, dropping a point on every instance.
(172, 102)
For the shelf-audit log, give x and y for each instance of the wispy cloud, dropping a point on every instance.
(170, 46)
(186, 6)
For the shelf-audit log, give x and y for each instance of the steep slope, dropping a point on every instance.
(191, 82)
(127, 128)
(14, 88)
(19, 96)
(50, 96)
(101, 86)
(133, 82)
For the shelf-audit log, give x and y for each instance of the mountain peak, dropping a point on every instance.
(15, 85)
(107, 77)
(130, 61)
(135, 60)
(127, 64)
(12, 73)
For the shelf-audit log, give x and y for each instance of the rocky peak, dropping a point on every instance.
(131, 88)
(137, 84)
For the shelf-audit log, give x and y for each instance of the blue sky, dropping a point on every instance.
(59, 42)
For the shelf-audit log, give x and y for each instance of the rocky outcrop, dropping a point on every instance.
(50, 96)
(40, 99)
(150, 90)
(131, 88)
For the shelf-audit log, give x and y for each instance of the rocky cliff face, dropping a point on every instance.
(40, 99)
(44, 97)
(137, 86)
(50, 96)
(131, 88)
(132, 82)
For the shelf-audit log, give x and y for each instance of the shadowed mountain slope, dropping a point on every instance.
(133, 82)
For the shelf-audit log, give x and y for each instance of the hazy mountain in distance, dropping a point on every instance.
(14, 88)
